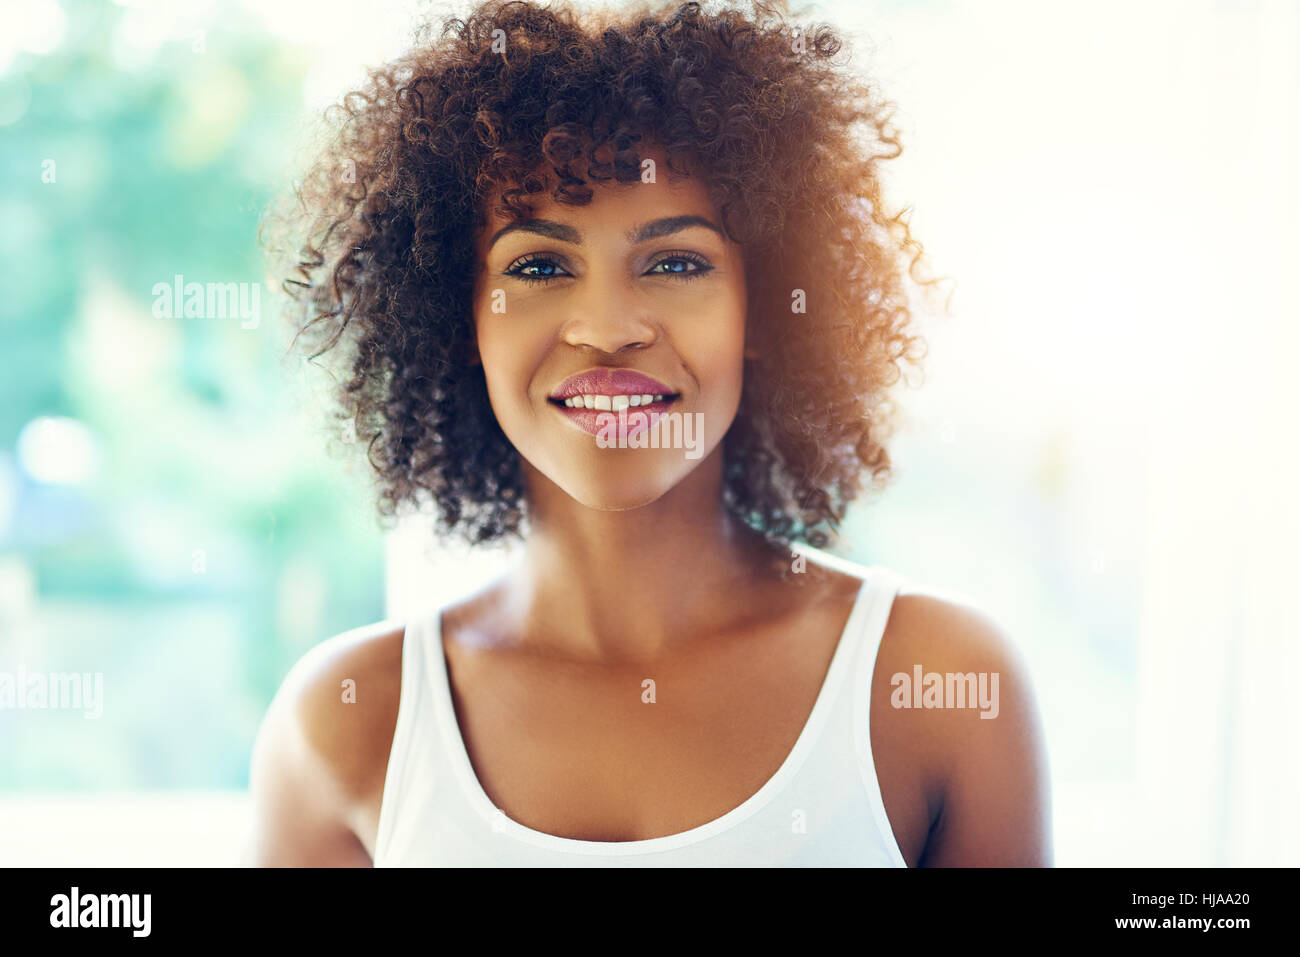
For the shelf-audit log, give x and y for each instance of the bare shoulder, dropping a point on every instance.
(949, 632)
(954, 712)
(321, 754)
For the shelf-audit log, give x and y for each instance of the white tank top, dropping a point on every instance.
(822, 807)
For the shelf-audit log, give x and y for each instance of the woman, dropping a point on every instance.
(538, 242)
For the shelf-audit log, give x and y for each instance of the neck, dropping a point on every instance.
(629, 585)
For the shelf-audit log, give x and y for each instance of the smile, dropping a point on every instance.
(611, 403)
(590, 399)
(592, 412)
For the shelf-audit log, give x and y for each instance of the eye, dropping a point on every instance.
(693, 266)
(543, 268)
(531, 261)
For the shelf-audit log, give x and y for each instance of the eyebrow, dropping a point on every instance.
(637, 234)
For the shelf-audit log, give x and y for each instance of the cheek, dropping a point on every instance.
(509, 356)
(716, 349)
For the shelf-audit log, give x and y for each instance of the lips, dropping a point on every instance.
(611, 382)
(619, 388)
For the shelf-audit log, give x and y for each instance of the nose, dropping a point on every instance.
(606, 316)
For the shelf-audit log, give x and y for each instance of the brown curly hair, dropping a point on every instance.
(788, 145)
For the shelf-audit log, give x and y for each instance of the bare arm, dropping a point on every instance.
(296, 818)
(319, 759)
(961, 790)
(996, 808)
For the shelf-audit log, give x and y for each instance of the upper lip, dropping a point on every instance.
(610, 382)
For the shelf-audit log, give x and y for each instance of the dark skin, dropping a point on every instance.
(547, 662)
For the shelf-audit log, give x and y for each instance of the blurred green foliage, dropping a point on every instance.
(215, 540)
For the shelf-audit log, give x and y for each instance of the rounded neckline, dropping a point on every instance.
(478, 798)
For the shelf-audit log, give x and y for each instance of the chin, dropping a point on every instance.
(615, 480)
(619, 503)
(618, 490)
(607, 479)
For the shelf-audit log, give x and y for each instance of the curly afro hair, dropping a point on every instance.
(788, 144)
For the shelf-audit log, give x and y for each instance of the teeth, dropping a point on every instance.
(613, 403)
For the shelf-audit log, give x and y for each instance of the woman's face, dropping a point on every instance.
(589, 314)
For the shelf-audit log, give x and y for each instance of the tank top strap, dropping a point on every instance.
(884, 584)
(419, 656)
